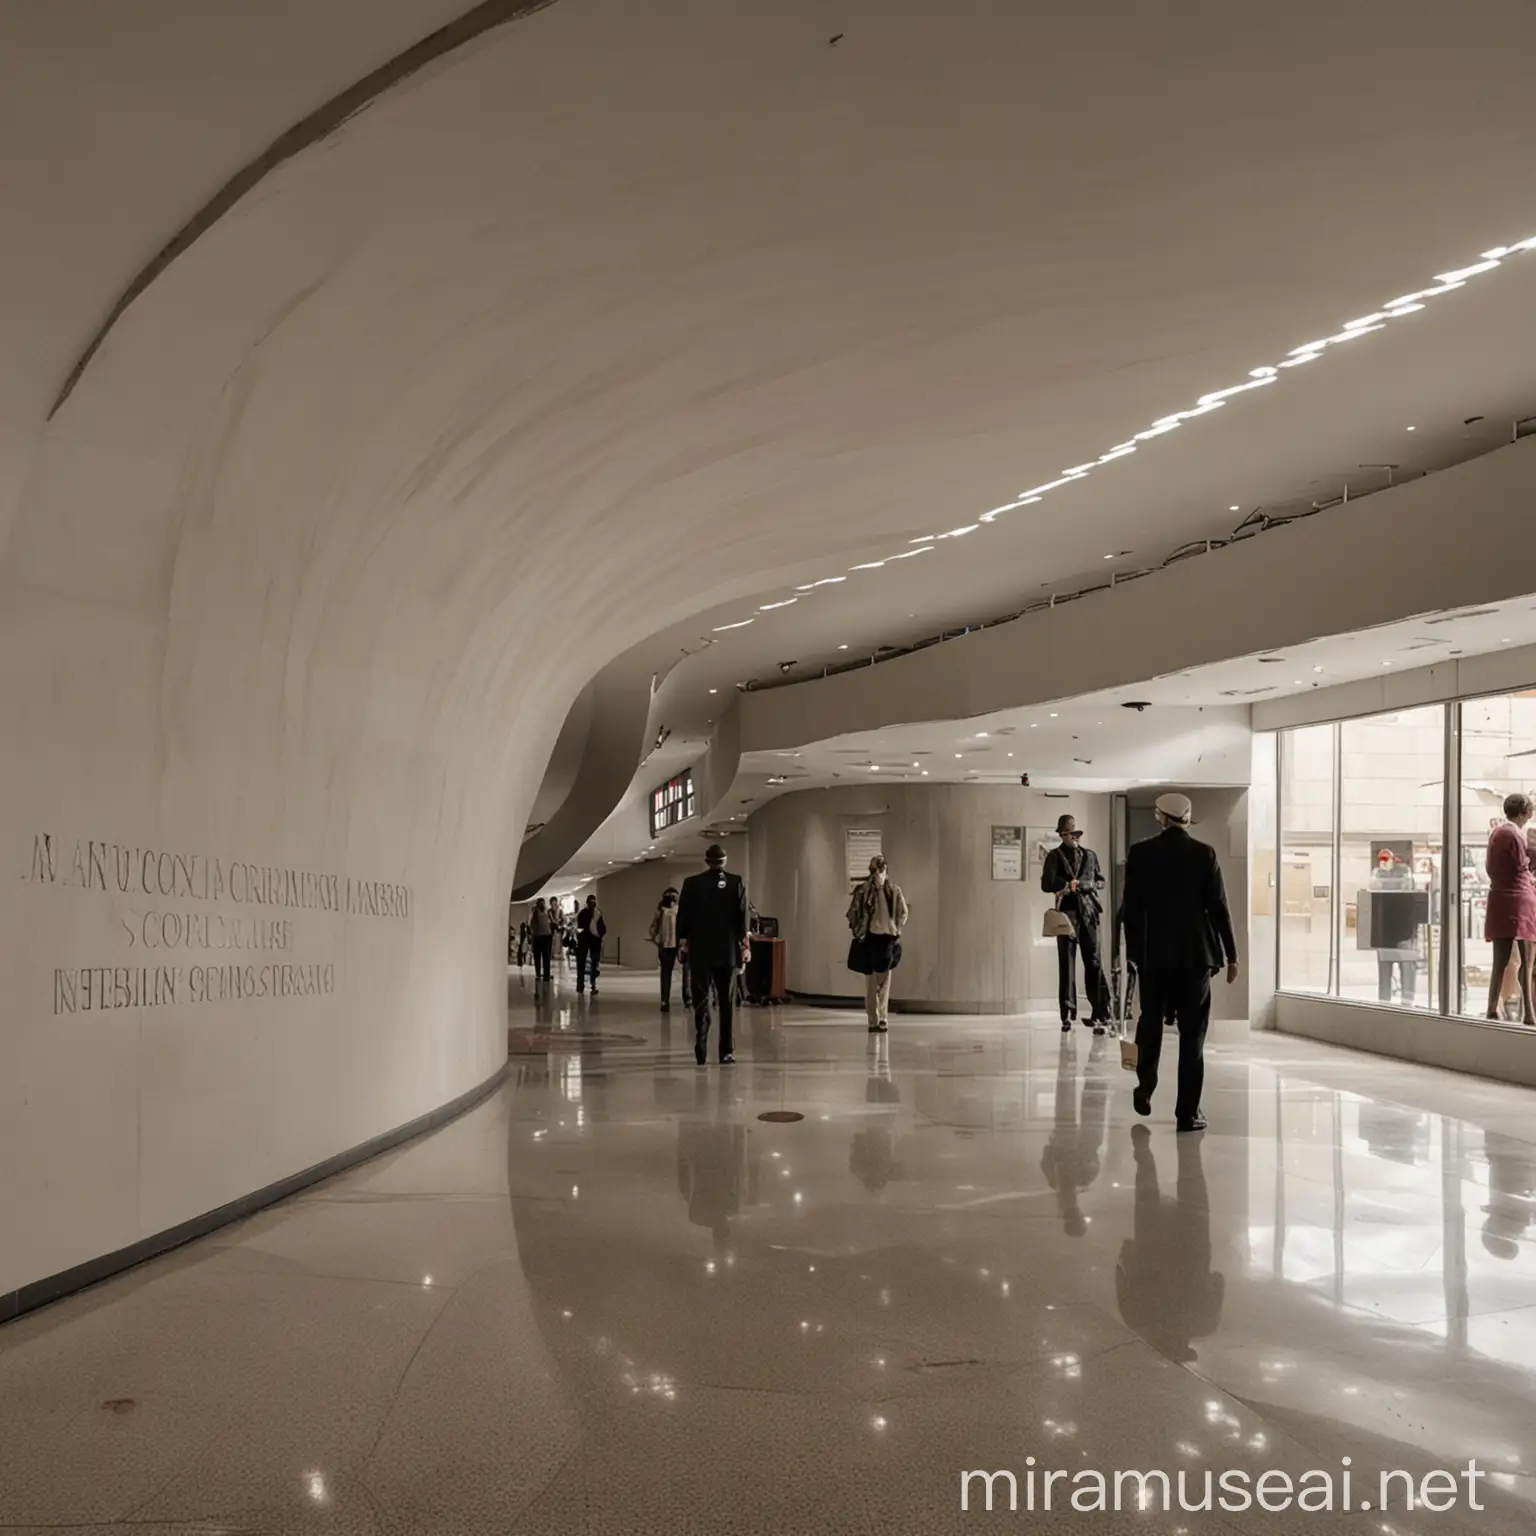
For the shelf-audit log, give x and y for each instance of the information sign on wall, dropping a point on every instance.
(861, 844)
(1007, 853)
(673, 802)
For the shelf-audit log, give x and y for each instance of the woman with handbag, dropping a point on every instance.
(876, 916)
(1072, 875)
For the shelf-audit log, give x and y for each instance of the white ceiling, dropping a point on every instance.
(1194, 731)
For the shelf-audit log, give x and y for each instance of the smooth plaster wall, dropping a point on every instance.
(972, 944)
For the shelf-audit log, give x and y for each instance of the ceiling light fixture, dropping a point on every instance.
(1258, 378)
(1410, 429)
(1234, 509)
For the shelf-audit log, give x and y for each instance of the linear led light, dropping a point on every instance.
(1352, 330)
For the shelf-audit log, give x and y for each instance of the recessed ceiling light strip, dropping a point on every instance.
(1258, 378)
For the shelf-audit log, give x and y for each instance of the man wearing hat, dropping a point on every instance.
(1178, 934)
(1073, 876)
(712, 930)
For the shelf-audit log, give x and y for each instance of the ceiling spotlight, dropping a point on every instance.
(842, 647)
(1506, 641)
(982, 735)
(714, 690)
(1053, 714)
(1413, 429)
(959, 754)
(925, 773)
(1234, 508)
(874, 767)
(1317, 669)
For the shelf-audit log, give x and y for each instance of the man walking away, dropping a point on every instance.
(712, 941)
(590, 930)
(1178, 934)
(1073, 876)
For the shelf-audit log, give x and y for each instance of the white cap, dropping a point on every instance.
(1176, 808)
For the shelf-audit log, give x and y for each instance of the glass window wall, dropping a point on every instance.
(1368, 907)
(1498, 758)
(1308, 796)
(1391, 814)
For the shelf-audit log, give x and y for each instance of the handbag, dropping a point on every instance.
(1057, 924)
(1128, 1042)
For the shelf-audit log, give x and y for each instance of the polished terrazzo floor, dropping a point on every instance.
(614, 1299)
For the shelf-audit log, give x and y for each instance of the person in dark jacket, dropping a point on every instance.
(590, 932)
(712, 943)
(1178, 934)
(1073, 876)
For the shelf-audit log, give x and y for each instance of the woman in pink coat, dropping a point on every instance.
(1511, 921)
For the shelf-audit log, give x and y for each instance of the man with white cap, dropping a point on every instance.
(1178, 934)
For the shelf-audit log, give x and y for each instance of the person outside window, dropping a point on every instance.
(1510, 924)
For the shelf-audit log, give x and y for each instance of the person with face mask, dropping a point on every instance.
(664, 937)
(876, 916)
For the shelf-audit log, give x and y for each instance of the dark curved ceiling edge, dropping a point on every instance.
(310, 130)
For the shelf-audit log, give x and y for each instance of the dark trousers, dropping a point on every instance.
(668, 964)
(1097, 987)
(543, 954)
(1186, 995)
(589, 952)
(721, 980)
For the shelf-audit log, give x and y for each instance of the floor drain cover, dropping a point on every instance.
(781, 1116)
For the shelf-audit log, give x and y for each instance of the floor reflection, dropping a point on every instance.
(1166, 1287)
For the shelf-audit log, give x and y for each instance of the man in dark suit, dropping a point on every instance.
(712, 942)
(1072, 875)
(1178, 934)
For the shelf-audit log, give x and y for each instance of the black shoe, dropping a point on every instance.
(700, 1048)
(594, 991)
(882, 1028)
(1194, 1122)
(666, 1007)
(1101, 1028)
(1141, 1102)
(1066, 1026)
(729, 1059)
